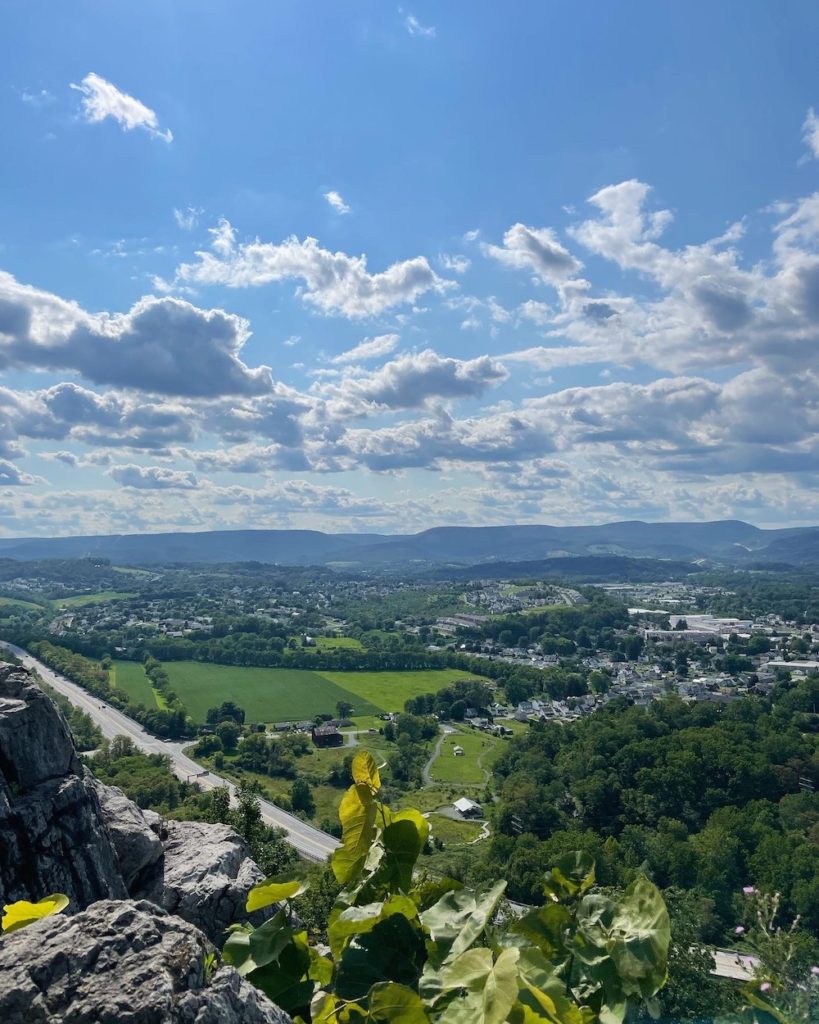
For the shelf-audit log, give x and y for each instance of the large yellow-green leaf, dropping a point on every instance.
(271, 891)
(18, 915)
(344, 922)
(571, 875)
(392, 1003)
(488, 997)
(365, 771)
(458, 918)
(357, 814)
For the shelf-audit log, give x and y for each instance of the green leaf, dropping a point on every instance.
(490, 993)
(624, 946)
(571, 875)
(344, 922)
(391, 1003)
(430, 890)
(458, 918)
(365, 771)
(545, 989)
(545, 928)
(392, 951)
(357, 815)
(404, 840)
(271, 891)
(18, 915)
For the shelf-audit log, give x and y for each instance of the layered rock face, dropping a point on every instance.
(52, 837)
(121, 963)
(108, 959)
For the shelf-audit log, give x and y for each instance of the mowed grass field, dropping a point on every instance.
(279, 694)
(99, 598)
(389, 690)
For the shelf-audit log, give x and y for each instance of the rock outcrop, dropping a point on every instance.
(63, 831)
(121, 963)
(206, 876)
(53, 835)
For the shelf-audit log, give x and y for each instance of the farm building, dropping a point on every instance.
(468, 808)
(327, 736)
(458, 751)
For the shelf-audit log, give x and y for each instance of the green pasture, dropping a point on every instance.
(472, 768)
(99, 598)
(12, 602)
(130, 677)
(389, 690)
(329, 643)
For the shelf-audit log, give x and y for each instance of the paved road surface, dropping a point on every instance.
(309, 841)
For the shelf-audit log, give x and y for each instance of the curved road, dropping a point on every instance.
(309, 841)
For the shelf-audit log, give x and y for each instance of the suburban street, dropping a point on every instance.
(309, 841)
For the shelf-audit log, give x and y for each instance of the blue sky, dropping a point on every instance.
(378, 267)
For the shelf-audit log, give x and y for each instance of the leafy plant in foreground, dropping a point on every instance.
(22, 913)
(408, 949)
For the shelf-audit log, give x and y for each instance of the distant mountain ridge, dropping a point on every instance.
(730, 541)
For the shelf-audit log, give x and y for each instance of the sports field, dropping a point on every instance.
(99, 598)
(280, 694)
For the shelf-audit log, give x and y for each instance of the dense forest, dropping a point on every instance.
(706, 799)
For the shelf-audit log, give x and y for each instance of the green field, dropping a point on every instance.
(130, 676)
(280, 694)
(99, 598)
(473, 767)
(389, 690)
(12, 602)
(328, 643)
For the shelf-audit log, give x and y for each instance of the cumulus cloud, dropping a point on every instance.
(163, 345)
(101, 100)
(153, 478)
(337, 203)
(412, 381)
(369, 348)
(535, 249)
(333, 282)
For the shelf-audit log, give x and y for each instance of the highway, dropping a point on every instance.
(309, 841)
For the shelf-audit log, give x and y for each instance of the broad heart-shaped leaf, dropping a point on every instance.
(545, 928)
(357, 813)
(624, 946)
(571, 875)
(365, 771)
(391, 1003)
(429, 890)
(490, 992)
(404, 839)
(544, 989)
(344, 922)
(392, 951)
(458, 918)
(273, 890)
(18, 915)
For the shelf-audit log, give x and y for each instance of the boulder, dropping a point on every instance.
(121, 962)
(137, 844)
(206, 875)
(54, 838)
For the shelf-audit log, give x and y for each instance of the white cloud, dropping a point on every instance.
(153, 478)
(337, 203)
(37, 98)
(415, 28)
(334, 282)
(810, 132)
(187, 218)
(102, 100)
(369, 348)
(160, 345)
(456, 264)
(536, 249)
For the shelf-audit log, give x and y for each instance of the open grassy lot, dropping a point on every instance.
(389, 690)
(130, 676)
(328, 643)
(102, 596)
(473, 767)
(266, 694)
(12, 602)
(452, 832)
